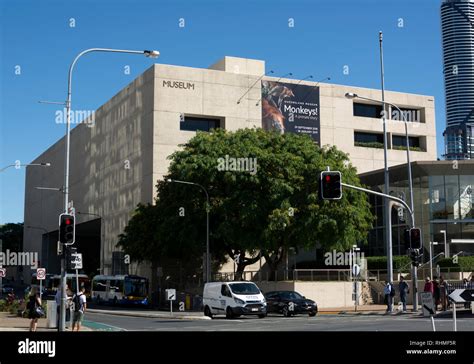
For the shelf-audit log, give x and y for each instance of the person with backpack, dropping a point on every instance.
(35, 310)
(80, 305)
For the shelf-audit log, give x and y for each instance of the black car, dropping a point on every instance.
(290, 303)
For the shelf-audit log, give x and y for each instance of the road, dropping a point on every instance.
(100, 321)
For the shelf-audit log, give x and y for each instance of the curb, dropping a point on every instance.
(377, 313)
(150, 315)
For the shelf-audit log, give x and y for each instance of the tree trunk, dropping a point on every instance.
(274, 261)
(154, 289)
(243, 262)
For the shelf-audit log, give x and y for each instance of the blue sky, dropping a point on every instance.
(327, 35)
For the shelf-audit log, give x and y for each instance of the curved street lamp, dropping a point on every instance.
(147, 53)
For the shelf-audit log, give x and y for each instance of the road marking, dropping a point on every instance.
(99, 326)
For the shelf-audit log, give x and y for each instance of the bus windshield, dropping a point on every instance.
(135, 287)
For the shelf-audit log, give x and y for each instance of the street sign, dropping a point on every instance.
(356, 270)
(171, 294)
(76, 261)
(427, 304)
(462, 295)
(3, 272)
(41, 273)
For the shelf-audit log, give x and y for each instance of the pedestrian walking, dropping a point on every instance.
(436, 293)
(443, 291)
(388, 292)
(466, 285)
(404, 291)
(80, 306)
(428, 285)
(35, 310)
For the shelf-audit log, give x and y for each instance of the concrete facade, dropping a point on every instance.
(117, 159)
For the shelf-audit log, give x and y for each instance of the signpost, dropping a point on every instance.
(41, 275)
(460, 296)
(428, 307)
(171, 296)
(76, 263)
(427, 304)
(356, 273)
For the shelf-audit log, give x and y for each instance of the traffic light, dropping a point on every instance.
(406, 235)
(416, 257)
(415, 238)
(330, 185)
(67, 229)
(69, 252)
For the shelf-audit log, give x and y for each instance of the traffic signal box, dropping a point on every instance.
(330, 185)
(67, 229)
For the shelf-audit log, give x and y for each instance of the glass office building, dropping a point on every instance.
(443, 201)
(457, 19)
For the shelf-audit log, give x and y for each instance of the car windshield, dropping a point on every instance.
(291, 296)
(244, 288)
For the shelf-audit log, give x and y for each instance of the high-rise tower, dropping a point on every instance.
(457, 23)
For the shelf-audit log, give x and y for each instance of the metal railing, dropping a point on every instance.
(380, 275)
(286, 275)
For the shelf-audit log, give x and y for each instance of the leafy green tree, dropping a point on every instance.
(11, 235)
(256, 212)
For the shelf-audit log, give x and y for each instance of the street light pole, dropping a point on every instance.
(26, 165)
(388, 212)
(147, 53)
(388, 222)
(208, 260)
(446, 249)
(431, 257)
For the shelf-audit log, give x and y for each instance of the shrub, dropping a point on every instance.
(464, 264)
(380, 262)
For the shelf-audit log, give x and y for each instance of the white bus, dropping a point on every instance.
(120, 290)
(53, 281)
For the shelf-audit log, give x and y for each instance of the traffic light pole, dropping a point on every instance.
(412, 224)
(390, 197)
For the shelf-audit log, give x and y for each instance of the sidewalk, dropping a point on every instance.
(10, 322)
(366, 310)
(153, 314)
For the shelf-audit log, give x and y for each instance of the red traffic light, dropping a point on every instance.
(330, 185)
(68, 221)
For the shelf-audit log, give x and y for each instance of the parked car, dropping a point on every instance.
(6, 289)
(233, 299)
(290, 303)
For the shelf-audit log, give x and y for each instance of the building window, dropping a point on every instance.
(192, 123)
(399, 142)
(368, 140)
(118, 263)
(367, 110)
(410, 115)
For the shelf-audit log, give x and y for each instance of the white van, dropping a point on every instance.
(233, 299)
